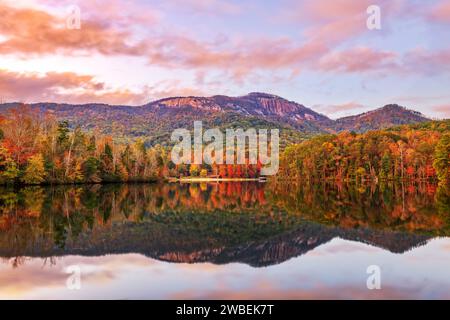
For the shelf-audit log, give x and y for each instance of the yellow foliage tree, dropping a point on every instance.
(35, 170)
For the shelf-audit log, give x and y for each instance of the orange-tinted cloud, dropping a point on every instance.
(32, 31)
(32, 83)
(61, 87)
(442, 109)
(324, 26)
(69, 87)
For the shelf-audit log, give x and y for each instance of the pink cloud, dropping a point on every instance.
(427, 61)
(32, 83)
(442, 109)
(440, 12)
(119, 13)
(340, 107)
(69, 87)
(238, 59)
(358, 59)
(111, 31)
(32, 31)
(335, 22)
(60, 87)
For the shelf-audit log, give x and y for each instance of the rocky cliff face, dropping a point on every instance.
(193, 102)
(257, 104)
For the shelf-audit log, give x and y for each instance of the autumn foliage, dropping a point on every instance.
(35, 148)
(414, 152)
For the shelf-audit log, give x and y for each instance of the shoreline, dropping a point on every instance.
(206, 179)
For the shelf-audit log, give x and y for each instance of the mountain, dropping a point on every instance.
(259, 105)
(387, 116)
(253, 104)
(155, 121)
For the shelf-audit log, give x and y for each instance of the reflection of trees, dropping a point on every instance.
(443, 203)
(47, 217)
(46, 221)
(411, 207)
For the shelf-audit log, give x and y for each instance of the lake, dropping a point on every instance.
(225, 241)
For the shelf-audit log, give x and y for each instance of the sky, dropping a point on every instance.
(319, 53)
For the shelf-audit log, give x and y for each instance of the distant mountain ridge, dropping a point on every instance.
(156, 120)
(387, 116)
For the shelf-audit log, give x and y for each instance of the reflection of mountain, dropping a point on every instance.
(252, 223)
(175, 245)
(299, 242)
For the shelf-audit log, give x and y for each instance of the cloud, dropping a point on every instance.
(69, 87)
(32, 83)
(340, 107)
(338, 21)
(268, 289)
(32, 31)
(238, 60)
(216, 7)
(63, 87)
(442, 109)
(328, 37)
(118, 13)
(360, 59)
(440, 12)
(426, 61)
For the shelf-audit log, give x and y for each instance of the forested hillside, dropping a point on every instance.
(154, 122)
(420, 151)
(382, 118)
(36, 147)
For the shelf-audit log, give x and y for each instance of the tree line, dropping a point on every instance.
(36, 148)
(414, 152)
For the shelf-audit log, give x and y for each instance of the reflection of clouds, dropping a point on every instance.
(15, 283)
(446, 247)
(339, 293)
(338, 245)
(37, 274)
(335, 270)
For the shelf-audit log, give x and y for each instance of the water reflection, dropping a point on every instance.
(252, 223)
(225, 241)
(335, 270)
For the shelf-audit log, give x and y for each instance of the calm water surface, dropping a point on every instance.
(225, 241)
